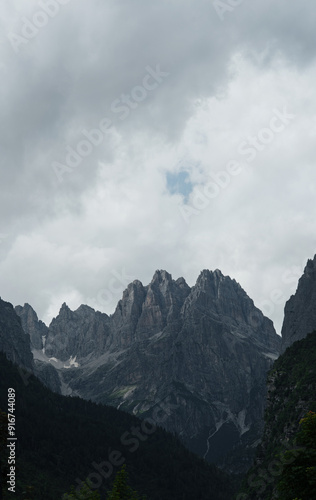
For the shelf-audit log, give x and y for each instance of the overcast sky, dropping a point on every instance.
(139, 135)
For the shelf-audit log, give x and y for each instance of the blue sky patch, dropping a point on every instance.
(179, 183)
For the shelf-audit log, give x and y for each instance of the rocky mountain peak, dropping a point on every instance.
(161, 276)
(219, 297)
(77, 334)
(207, 274)
(136, 284)
(85, 311)
(14, 342)
(31, 324)
(127, 313)
(145, 311)
(213, 289)
(162, 283)
(65, 313)
(300, 310)
(64, 309)
(214, 281)
(182, 284)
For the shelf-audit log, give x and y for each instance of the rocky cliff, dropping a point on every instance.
(202, 352)
(31, 324)
(300, 309)
(291, 388)
(80, 334)
(14, 341)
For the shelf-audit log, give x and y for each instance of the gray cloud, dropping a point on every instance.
(223, 79)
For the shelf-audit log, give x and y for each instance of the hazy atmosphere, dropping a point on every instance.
(141, 135)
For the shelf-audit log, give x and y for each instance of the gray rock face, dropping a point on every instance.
(200, 353)
(31, 324)
(14, 342)
(77, 334)
(145, 311)
(300, 309)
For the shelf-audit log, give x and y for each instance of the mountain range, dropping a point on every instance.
(206, 350)
(194, 359)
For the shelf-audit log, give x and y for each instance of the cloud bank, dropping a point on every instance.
(138, 136)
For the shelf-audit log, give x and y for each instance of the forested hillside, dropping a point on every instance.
(61, 440)
(291, 396)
